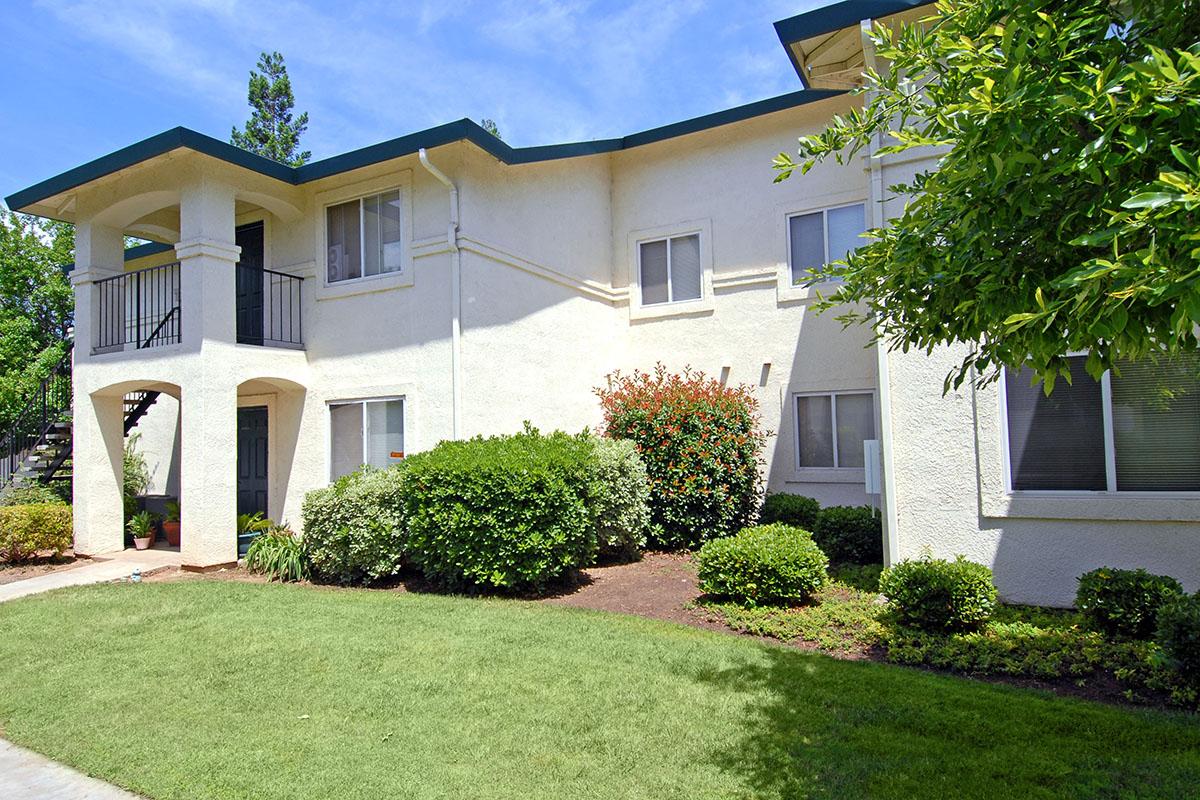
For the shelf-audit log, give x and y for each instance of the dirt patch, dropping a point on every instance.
(10, 573)
(660, 586)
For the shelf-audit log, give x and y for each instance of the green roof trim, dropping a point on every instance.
(460, 130)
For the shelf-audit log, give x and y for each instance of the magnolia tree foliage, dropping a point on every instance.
(1063, 214)
(271, 131)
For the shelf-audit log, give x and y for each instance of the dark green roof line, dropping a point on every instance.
(460, 130)
(133, 253)
(835, 17)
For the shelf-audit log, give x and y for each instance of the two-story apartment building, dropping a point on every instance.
(297, 322)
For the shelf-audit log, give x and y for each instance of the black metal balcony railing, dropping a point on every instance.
(139, 308)
(268, 308)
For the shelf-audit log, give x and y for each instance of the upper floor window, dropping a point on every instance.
(819, 238)
(831, 428)
(670, 269)
(1138, 431)
(362, 237)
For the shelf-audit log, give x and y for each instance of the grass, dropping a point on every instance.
(212, 689)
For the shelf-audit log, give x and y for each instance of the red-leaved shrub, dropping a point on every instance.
(701, 442)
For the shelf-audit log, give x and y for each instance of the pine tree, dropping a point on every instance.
(270, 131)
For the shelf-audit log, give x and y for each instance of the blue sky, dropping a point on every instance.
(85, 78)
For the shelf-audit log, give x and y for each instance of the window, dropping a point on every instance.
(362, 237)
(1138, 431)
(831, 428)
(817, 239)
(670, 269)
(365, 432)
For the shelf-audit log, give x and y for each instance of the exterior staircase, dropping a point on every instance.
(36, 446)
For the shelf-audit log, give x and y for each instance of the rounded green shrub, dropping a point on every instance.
(938, 595)
(850, 534)
(1124, 602)
(622, 498)
(355, 529)
(789, 509)
(508, 512)
(702, 445)
(1178, 634)
(765, 565)
(28, 530)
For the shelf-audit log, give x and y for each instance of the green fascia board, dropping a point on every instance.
(460, 130)
(835, 17)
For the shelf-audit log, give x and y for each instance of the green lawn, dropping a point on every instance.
(210, 689)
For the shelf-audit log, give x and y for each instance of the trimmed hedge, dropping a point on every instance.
(850, 534)
(701, 442)
(789, 509)
(1178, 634)
(355, 529)
(765, 565)
(29, 529)
(622, 498)
(1124, 602)
(508, 512)
(938, 595)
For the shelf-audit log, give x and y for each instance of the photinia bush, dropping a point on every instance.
(701, 442)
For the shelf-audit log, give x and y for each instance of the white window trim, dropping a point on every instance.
(836, 473)
(671, 308)
(1110, 454)
(361, 402)
(400, 181)
(786, 290)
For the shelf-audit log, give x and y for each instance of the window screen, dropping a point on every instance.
(654, 272)
(814, 421)
(1156, 425)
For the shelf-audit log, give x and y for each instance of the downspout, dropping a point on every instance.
(891, 544)
(455, 297)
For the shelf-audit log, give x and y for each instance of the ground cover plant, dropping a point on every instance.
(376, 694)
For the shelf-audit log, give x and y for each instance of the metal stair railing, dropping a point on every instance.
(47, 406)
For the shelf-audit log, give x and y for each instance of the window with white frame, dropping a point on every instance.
(362, 237)
(1135, 430)
(365, 432)
(831, 428)
(819, 238)
(670, 270)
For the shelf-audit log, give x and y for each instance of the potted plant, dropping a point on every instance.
(141, 528)
(170, 524)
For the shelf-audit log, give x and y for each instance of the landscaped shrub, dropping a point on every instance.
(506, 512)
(850, 534)
(622, 498)
(938, 595)
(790, 509)
(765, 565)
(1178, 634)
(30, 529)
(279, 554)
(1124, 602)
(701, 442)
(354, 529)
(34, 494)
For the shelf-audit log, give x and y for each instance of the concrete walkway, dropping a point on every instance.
(25, 775)
(99, 570)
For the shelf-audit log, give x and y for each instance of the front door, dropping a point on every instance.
(251, 466)
(250, 283)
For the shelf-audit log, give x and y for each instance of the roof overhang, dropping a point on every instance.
(825, 44)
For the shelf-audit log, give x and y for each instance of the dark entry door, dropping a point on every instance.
(250, 283)
(251, 466)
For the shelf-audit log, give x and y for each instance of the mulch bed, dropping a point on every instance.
(10, 573)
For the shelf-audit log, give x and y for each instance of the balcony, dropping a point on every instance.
(143, 309)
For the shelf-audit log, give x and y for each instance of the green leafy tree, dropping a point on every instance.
(271, 131)
(36, 303)
(1063, 214)
(491, 127)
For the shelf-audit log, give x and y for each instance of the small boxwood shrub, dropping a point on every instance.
(764, 565)
(789, 509)
(850, 534)
(508, 512)
(29, 529)
(1124, 602)
(701, 442)
(938, 595)
(622, 498)
(1178, 634)
(354, 529)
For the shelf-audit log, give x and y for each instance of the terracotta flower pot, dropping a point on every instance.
(171, 530)
(141, 543)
